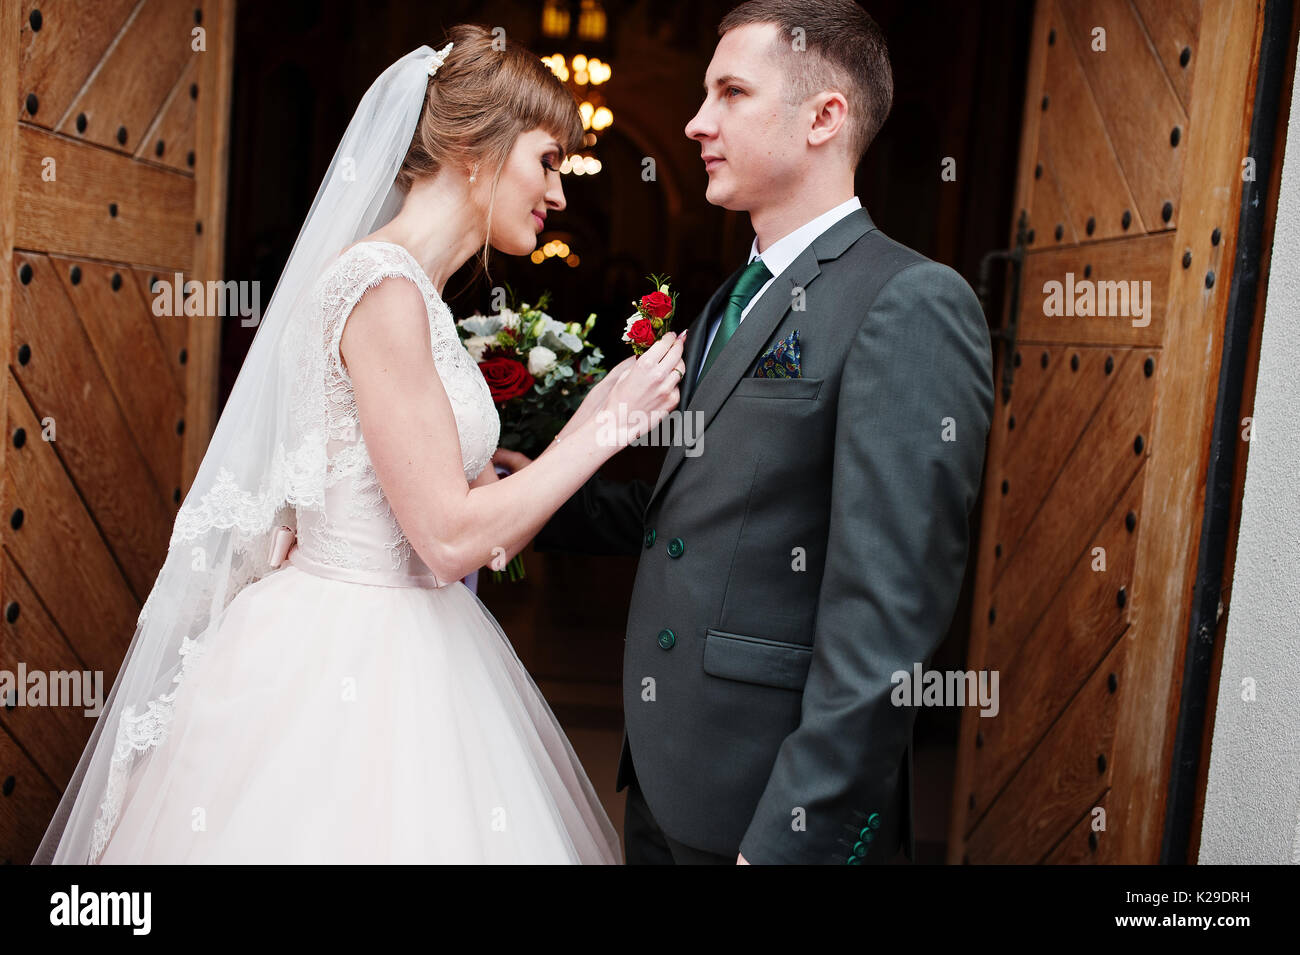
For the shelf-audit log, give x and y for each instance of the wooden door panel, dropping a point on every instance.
(1172, 28)
(1142, 259)
(1084, 160)
(1138, 127)
(26, 810)
(1100, 465)
(132, 396)
(1032, 375)
(1079, 847)
(55, 61)
(53, 736)
(1037, 451)
(1010, 412)
(62, 380)
(74, 214)
(1094, 460)
(1063, 778)
(1049, 203)
(131, 83)
(117, 322)
(173, 330)
(170, 140)
(1042, 671)
(60, 551)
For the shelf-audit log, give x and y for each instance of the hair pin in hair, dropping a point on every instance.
(437, 59)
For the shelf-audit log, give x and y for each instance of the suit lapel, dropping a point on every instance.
(699, 336)
(748, 340)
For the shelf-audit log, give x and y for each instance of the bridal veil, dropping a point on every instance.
(266, 458)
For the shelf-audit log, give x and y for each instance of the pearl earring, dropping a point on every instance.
(473, 177)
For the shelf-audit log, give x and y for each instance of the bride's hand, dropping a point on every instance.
(646, 391)
(595, 399)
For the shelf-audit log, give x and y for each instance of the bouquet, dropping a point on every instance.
(653, 316)
(538, 370)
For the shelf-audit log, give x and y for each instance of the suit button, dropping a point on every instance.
(867, 834)
(650, 538)
(676, 547)
(873, 820)
(860, 849)
(853, 860)
(667, 638)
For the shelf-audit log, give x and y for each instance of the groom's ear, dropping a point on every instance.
(830, 117)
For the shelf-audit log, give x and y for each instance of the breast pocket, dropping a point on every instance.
(778, 388)
(736, 656)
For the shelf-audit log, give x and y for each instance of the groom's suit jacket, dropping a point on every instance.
(812, 548)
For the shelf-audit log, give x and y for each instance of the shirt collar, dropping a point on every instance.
(786, 249)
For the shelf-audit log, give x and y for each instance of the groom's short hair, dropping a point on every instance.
(840, 48)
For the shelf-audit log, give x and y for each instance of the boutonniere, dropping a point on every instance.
(653, 316)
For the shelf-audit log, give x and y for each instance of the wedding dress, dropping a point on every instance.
(347, 708)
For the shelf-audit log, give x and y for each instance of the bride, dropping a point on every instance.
(309, 680)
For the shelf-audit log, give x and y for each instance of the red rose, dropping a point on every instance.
(658, 304)
(506, 378)
(641, 333)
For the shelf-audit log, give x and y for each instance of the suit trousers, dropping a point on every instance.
(645, 843)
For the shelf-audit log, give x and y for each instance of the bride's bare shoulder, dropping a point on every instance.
(367, 240)
(364, 254)
(375, 240)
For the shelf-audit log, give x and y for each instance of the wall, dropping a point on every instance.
(1252, 799)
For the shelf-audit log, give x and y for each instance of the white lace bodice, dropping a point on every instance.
(356, 529)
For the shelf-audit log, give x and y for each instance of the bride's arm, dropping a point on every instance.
(487, 476)
(415, 449)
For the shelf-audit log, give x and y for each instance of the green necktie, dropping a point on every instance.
(750, 281)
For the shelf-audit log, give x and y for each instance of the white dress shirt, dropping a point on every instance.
(781, 254)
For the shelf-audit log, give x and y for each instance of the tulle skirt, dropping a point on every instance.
(336, 722)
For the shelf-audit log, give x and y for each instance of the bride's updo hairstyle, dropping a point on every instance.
(488, 92)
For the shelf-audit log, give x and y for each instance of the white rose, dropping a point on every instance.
(540, 360)
(509, 319)
(477, 344)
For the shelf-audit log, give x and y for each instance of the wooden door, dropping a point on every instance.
(114, 131)
(1136, 122)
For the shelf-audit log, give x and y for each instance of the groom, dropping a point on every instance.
(816, 543)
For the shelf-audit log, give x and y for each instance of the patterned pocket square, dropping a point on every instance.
(781, 360)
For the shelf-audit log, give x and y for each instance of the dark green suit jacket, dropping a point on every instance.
(812, 544)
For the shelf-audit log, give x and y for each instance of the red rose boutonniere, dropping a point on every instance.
(653, 316)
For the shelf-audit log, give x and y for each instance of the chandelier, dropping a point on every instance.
(584, 74)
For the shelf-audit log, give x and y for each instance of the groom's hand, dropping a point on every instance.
(513, 460)
(740, 859)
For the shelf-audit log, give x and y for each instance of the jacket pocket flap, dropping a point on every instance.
(778, 387)
(735, 656)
